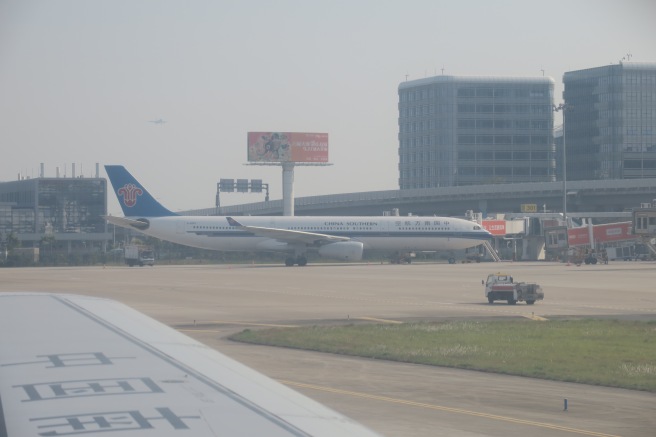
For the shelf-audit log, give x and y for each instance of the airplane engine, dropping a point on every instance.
(343, 250)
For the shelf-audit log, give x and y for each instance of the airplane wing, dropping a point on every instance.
(75, 365)
(288, 236)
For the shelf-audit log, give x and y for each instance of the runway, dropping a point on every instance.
(209, 302)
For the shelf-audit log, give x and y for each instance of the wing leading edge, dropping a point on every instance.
(80, 365)
(288, 235)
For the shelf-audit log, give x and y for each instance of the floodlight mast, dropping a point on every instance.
(564, 107)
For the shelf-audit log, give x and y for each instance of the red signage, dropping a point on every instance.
(601, 233)
(287, 147)
(495, 227)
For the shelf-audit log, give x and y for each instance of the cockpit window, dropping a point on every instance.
(477, 228)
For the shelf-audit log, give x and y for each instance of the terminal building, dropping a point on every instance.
(610, 122)
(457, 131)
(68, 210)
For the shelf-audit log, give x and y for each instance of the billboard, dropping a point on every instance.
(287, 147)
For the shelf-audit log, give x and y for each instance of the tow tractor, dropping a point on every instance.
(501, 286)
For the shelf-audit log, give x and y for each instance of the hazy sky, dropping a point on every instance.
(80, 79)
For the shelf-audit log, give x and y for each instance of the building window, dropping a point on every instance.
(485, 139)
(484, 92)
(466, 139)
(484, 156)
(466, 92)
(466, 156)
(484, 108)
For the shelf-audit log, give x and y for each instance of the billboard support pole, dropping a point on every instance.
(288, 188)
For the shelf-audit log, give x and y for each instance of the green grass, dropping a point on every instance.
(601, 352)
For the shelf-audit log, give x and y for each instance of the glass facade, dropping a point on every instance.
(73, 205)
(610, 125)
(68, 208)
(466, 131)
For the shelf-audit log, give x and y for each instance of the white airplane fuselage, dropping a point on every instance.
(343, 238)
(377, 233)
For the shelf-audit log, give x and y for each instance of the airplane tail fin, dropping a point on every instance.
(134, 199)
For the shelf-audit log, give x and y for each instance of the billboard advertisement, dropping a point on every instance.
(287, 147)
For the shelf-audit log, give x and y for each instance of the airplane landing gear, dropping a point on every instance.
(300, 260)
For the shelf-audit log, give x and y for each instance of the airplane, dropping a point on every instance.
(158, 121)
(337, 237)
(77, 365)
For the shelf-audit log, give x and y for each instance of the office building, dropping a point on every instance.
(475, 130)
(610, 122)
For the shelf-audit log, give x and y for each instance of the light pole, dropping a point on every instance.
(564, 107)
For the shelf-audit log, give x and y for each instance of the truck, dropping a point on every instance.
(501, 286)
(138, 255)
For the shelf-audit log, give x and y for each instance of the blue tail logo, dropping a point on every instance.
(134, 199)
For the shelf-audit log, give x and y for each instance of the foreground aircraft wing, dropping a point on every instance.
(75, 365)
(287, 235)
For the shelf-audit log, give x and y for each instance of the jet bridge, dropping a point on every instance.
(644, 224)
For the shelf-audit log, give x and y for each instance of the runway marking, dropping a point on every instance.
(534, 317)
(197, 330)
(373, 319)
(447, 409)
(226, 322)
(485, 309)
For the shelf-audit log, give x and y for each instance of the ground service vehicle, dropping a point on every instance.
(501, 286)
(138, 255)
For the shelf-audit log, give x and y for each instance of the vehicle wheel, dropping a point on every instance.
(586, 261)
(490, 300)
(452, 260)
(301, 261)
(512, 301)
(530, 302)
(289, 262)
(593, 261)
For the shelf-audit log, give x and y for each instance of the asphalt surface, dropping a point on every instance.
(210, 302)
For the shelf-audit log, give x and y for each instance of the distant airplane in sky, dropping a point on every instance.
(158, 121)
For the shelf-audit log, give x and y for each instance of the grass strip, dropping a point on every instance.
(613, 353)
